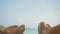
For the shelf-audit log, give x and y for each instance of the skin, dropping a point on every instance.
(47, 26)
(1, 32)
(41, 27)
(53, 30)
(19, 30)
(47, 29)
(14, 30)
(10, 28)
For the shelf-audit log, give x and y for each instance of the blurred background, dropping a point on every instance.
(29, 12)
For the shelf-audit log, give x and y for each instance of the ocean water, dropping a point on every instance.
(31, 31)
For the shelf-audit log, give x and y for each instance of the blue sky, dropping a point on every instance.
(29, 12)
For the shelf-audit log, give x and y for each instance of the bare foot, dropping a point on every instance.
(20, 30)
(53, 30)
(10, 28)
(42, 27)
(1, 32)
(47, 29)
(47, 26)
